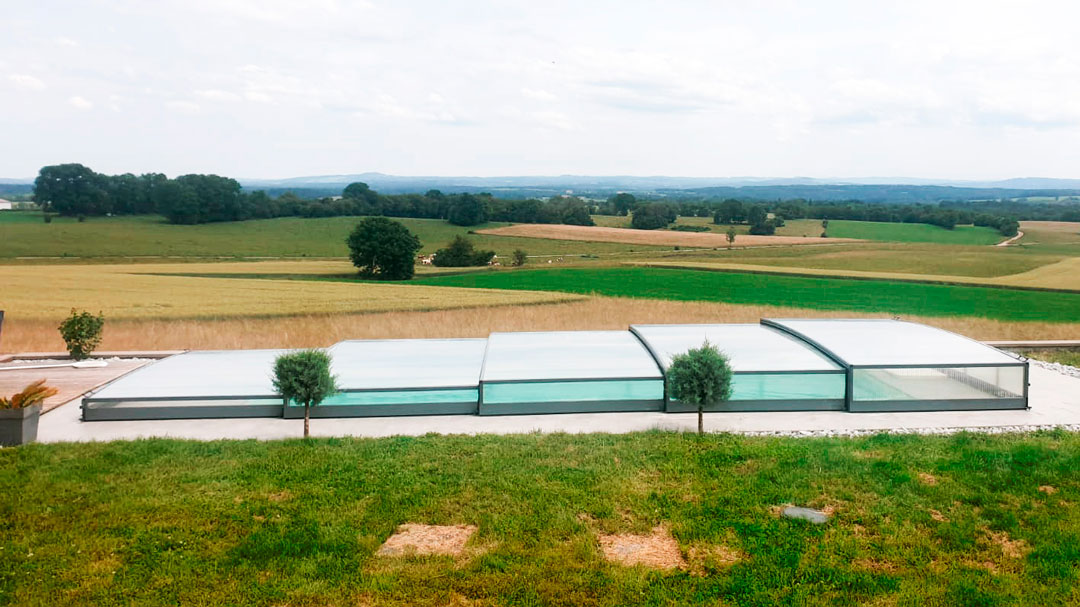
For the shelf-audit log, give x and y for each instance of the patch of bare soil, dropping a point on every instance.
(1011, 548)
(703, 559)
(927, 479)
(413, 539)
(938, 516)
(280, 496)
(876, 565)
(657, 550)
(708, 240)
(1047, 489)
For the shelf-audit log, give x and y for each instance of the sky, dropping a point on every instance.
(941, 89)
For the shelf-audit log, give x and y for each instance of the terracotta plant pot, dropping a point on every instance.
(19, 426)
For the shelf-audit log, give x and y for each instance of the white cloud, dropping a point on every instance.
(184, 107)
(776, 87)
(25, 82)
(80, 103)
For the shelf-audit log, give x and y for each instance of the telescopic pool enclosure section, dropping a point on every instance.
(778, 365)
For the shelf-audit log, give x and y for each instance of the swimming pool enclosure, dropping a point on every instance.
(778, 365)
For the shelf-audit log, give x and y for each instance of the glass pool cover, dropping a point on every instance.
(773, 370)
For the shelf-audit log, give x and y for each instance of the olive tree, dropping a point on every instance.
(304, 377)
(383, 249)
(700, 377)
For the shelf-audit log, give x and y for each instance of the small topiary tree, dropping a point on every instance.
(304, 377)
(700, 377)
(82, 333)
(383, 249)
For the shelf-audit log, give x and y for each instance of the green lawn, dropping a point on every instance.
(816, 293)
(960, 520)
(26, 234)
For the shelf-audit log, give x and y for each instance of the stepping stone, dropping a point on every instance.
(805, 514)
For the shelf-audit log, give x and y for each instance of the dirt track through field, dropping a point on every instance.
(652, 237)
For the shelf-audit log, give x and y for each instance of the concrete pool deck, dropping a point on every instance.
(1055, 401)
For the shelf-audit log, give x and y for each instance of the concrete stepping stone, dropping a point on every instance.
(805, 514)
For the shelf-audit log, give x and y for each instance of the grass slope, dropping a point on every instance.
(961, 520)
(800, 292)
(283, 237)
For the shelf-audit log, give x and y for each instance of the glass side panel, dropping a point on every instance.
(181, 403)
(894, 342)
(748, 347)
(789, 386)
(564, 391)
(402, 397)
(556, 355)
(929, 383)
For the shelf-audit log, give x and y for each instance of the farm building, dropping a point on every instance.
(6, 205)
(779, 365)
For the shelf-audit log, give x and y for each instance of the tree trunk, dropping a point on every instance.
(307, 420)
(701, 419)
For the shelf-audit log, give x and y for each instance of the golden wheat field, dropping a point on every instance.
(313, 330)
(148, 291)
(651, 237)
(1064, 274)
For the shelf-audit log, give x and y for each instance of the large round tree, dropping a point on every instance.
(383, 249)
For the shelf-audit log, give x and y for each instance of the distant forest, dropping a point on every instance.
(76, 190)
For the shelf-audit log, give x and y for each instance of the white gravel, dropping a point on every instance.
(1060, 368)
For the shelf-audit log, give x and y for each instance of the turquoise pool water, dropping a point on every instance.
(567, 391)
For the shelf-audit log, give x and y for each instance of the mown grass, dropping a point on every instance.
(961, 520)
(113, 237)
(799, 292)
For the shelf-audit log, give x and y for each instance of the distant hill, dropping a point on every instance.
(870, 189)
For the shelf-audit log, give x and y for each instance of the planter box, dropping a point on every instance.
(19, 426)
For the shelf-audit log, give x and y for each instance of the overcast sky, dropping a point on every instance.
(276, 88)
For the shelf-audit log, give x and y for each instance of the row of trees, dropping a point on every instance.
(76, 190)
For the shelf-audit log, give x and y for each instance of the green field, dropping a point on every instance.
(960, 520)
(894, 232)
(885, 297)
(840, 228)
(25, 234)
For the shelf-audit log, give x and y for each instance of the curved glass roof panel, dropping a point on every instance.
(560, 355)
(750, 348)
(395, 364)
(201, 374)
(879, 342)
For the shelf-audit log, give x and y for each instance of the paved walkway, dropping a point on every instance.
(1055, 401)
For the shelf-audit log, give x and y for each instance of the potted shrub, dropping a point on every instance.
(19, 414)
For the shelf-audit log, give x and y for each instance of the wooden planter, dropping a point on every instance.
(19, 426)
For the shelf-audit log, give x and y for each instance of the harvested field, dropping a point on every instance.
(650, 237)
(318, 330)
(145, 291)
